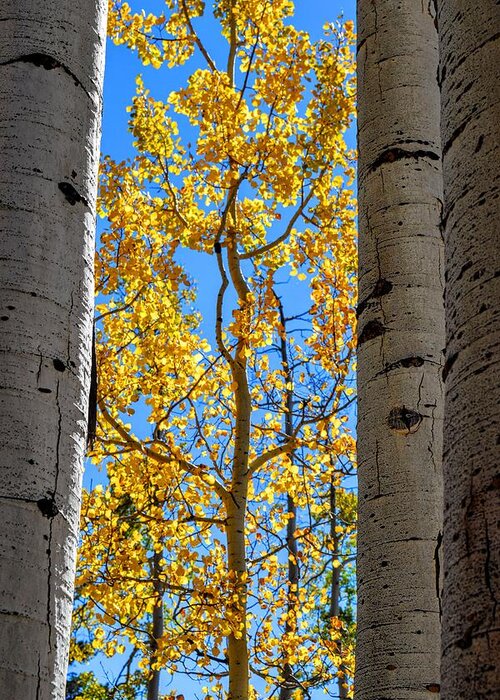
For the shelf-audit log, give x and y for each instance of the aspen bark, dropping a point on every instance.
(289, 683)
(236, 504)
(470, 79)
(335, 588)
(153, 685)
(400, 339)
(51, 69)
(237, 645)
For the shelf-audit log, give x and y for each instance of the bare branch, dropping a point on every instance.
(197, 39)
(272, 244)
(186, 466)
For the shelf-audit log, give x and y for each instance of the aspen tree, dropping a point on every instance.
(51, 70)
(237, 441)
(470, 78)
(400, 339)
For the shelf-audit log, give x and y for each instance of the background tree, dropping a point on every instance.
(51, 66)
(470, 74)
(216, 510)
(400, 342)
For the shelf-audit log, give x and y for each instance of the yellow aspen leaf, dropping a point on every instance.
(234, 446)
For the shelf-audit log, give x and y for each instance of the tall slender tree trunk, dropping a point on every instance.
(51, 67)
(153, 687)
(335, 587)
(470, 77)
(237, 644)
(401, 337)
(289, 682)
(236, 505)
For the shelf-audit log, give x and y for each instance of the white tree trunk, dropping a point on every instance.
(51, 68)
(470, 77)
(401, 338)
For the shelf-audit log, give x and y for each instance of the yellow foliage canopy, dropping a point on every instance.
(221, 512)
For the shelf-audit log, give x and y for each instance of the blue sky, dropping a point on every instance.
(122, 68)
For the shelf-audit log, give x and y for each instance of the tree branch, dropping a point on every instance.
(183, 464)
(262, 459)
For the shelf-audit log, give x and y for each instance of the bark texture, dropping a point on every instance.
(336, 590)
(237, 646)
(153, 686)
(236, 502)
(293, 575)
(51, 67)
(400, 338)
(470, 77)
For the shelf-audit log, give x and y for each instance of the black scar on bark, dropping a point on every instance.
(464, 269)
(58, 365)
(433, 687)
(43, 60)
(412, 361)
(47, 507)
(404, 420)
(449, 364)
(466, 641)
(372, 330)
(40, 60)
(393, 154)
(92, 410)
(381, 288)
(406, 362)
(71, 195)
